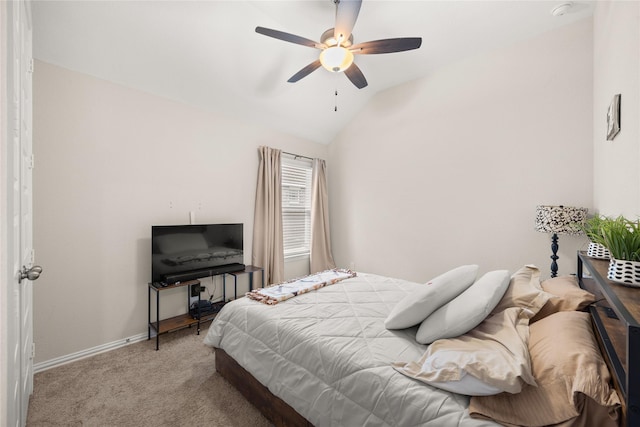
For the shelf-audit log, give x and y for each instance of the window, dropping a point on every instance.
(296, 206)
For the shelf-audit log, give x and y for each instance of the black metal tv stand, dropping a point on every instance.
(171, 324)
(163, 326)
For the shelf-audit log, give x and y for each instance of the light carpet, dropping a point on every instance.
(138, 386)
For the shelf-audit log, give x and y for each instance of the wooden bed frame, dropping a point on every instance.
(271, 406)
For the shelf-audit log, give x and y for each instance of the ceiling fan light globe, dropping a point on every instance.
(336, 59)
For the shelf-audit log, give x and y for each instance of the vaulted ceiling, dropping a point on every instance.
(207, 53)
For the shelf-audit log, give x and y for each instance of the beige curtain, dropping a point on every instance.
(321, 258)
(268, 249)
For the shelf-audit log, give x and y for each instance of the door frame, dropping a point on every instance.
(4, 275)
(15, 36)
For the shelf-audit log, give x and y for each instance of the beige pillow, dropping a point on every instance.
(524, 291)
(569, 370)
(566, 295)
(489, 359)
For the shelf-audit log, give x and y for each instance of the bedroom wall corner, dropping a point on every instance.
(448, 169)
(617, 71)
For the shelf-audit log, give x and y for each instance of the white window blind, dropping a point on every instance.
(296, 206)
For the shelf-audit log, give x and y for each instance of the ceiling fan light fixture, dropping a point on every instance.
(336, 59)
(337, 48)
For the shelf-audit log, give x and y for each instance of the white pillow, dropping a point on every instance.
(467, 310)
(468, 385)
(414, 308)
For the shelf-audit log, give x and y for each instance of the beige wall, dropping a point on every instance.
(617, 70)
(111, 162)
(448, 169)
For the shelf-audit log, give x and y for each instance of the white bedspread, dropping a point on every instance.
(328, 355)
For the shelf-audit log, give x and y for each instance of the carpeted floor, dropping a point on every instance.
(138, 386)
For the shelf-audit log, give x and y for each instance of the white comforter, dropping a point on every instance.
(328, 355)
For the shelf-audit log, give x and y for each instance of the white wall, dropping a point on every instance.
(111, 162)
(448, 169)
(617, 70)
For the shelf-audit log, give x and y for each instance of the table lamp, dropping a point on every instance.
(559, 220)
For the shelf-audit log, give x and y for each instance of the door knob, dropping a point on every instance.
(32, 273)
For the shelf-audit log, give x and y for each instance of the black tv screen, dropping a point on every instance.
(206, 249)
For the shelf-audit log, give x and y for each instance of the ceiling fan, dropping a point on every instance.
(337, 48)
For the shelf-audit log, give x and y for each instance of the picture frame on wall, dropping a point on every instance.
(613, 118)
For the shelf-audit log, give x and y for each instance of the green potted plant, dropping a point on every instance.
(592, 228)
(621, 236)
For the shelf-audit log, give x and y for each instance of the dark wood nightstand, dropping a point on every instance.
(615, 316)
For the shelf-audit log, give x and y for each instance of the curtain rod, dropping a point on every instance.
(297, 155)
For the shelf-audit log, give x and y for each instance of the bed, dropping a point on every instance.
(332, 357)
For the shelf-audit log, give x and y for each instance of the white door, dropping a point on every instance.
(17, 147)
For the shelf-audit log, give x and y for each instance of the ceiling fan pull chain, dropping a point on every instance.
(336, 105)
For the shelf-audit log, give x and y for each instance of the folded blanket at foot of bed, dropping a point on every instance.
(275, 293)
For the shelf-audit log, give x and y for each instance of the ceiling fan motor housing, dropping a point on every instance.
(327, 38)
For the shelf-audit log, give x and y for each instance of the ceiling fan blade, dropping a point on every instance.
(386, 46)
(346, 15)
(291, 38)
(355, 75)
(305, 71)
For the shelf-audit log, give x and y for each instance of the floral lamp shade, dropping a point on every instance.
(560, 219)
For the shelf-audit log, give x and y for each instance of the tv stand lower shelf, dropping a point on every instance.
(179, 322)
(163, 326)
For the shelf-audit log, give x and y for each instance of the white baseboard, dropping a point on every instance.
(62, 360)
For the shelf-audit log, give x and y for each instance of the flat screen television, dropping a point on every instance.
(183, 252)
